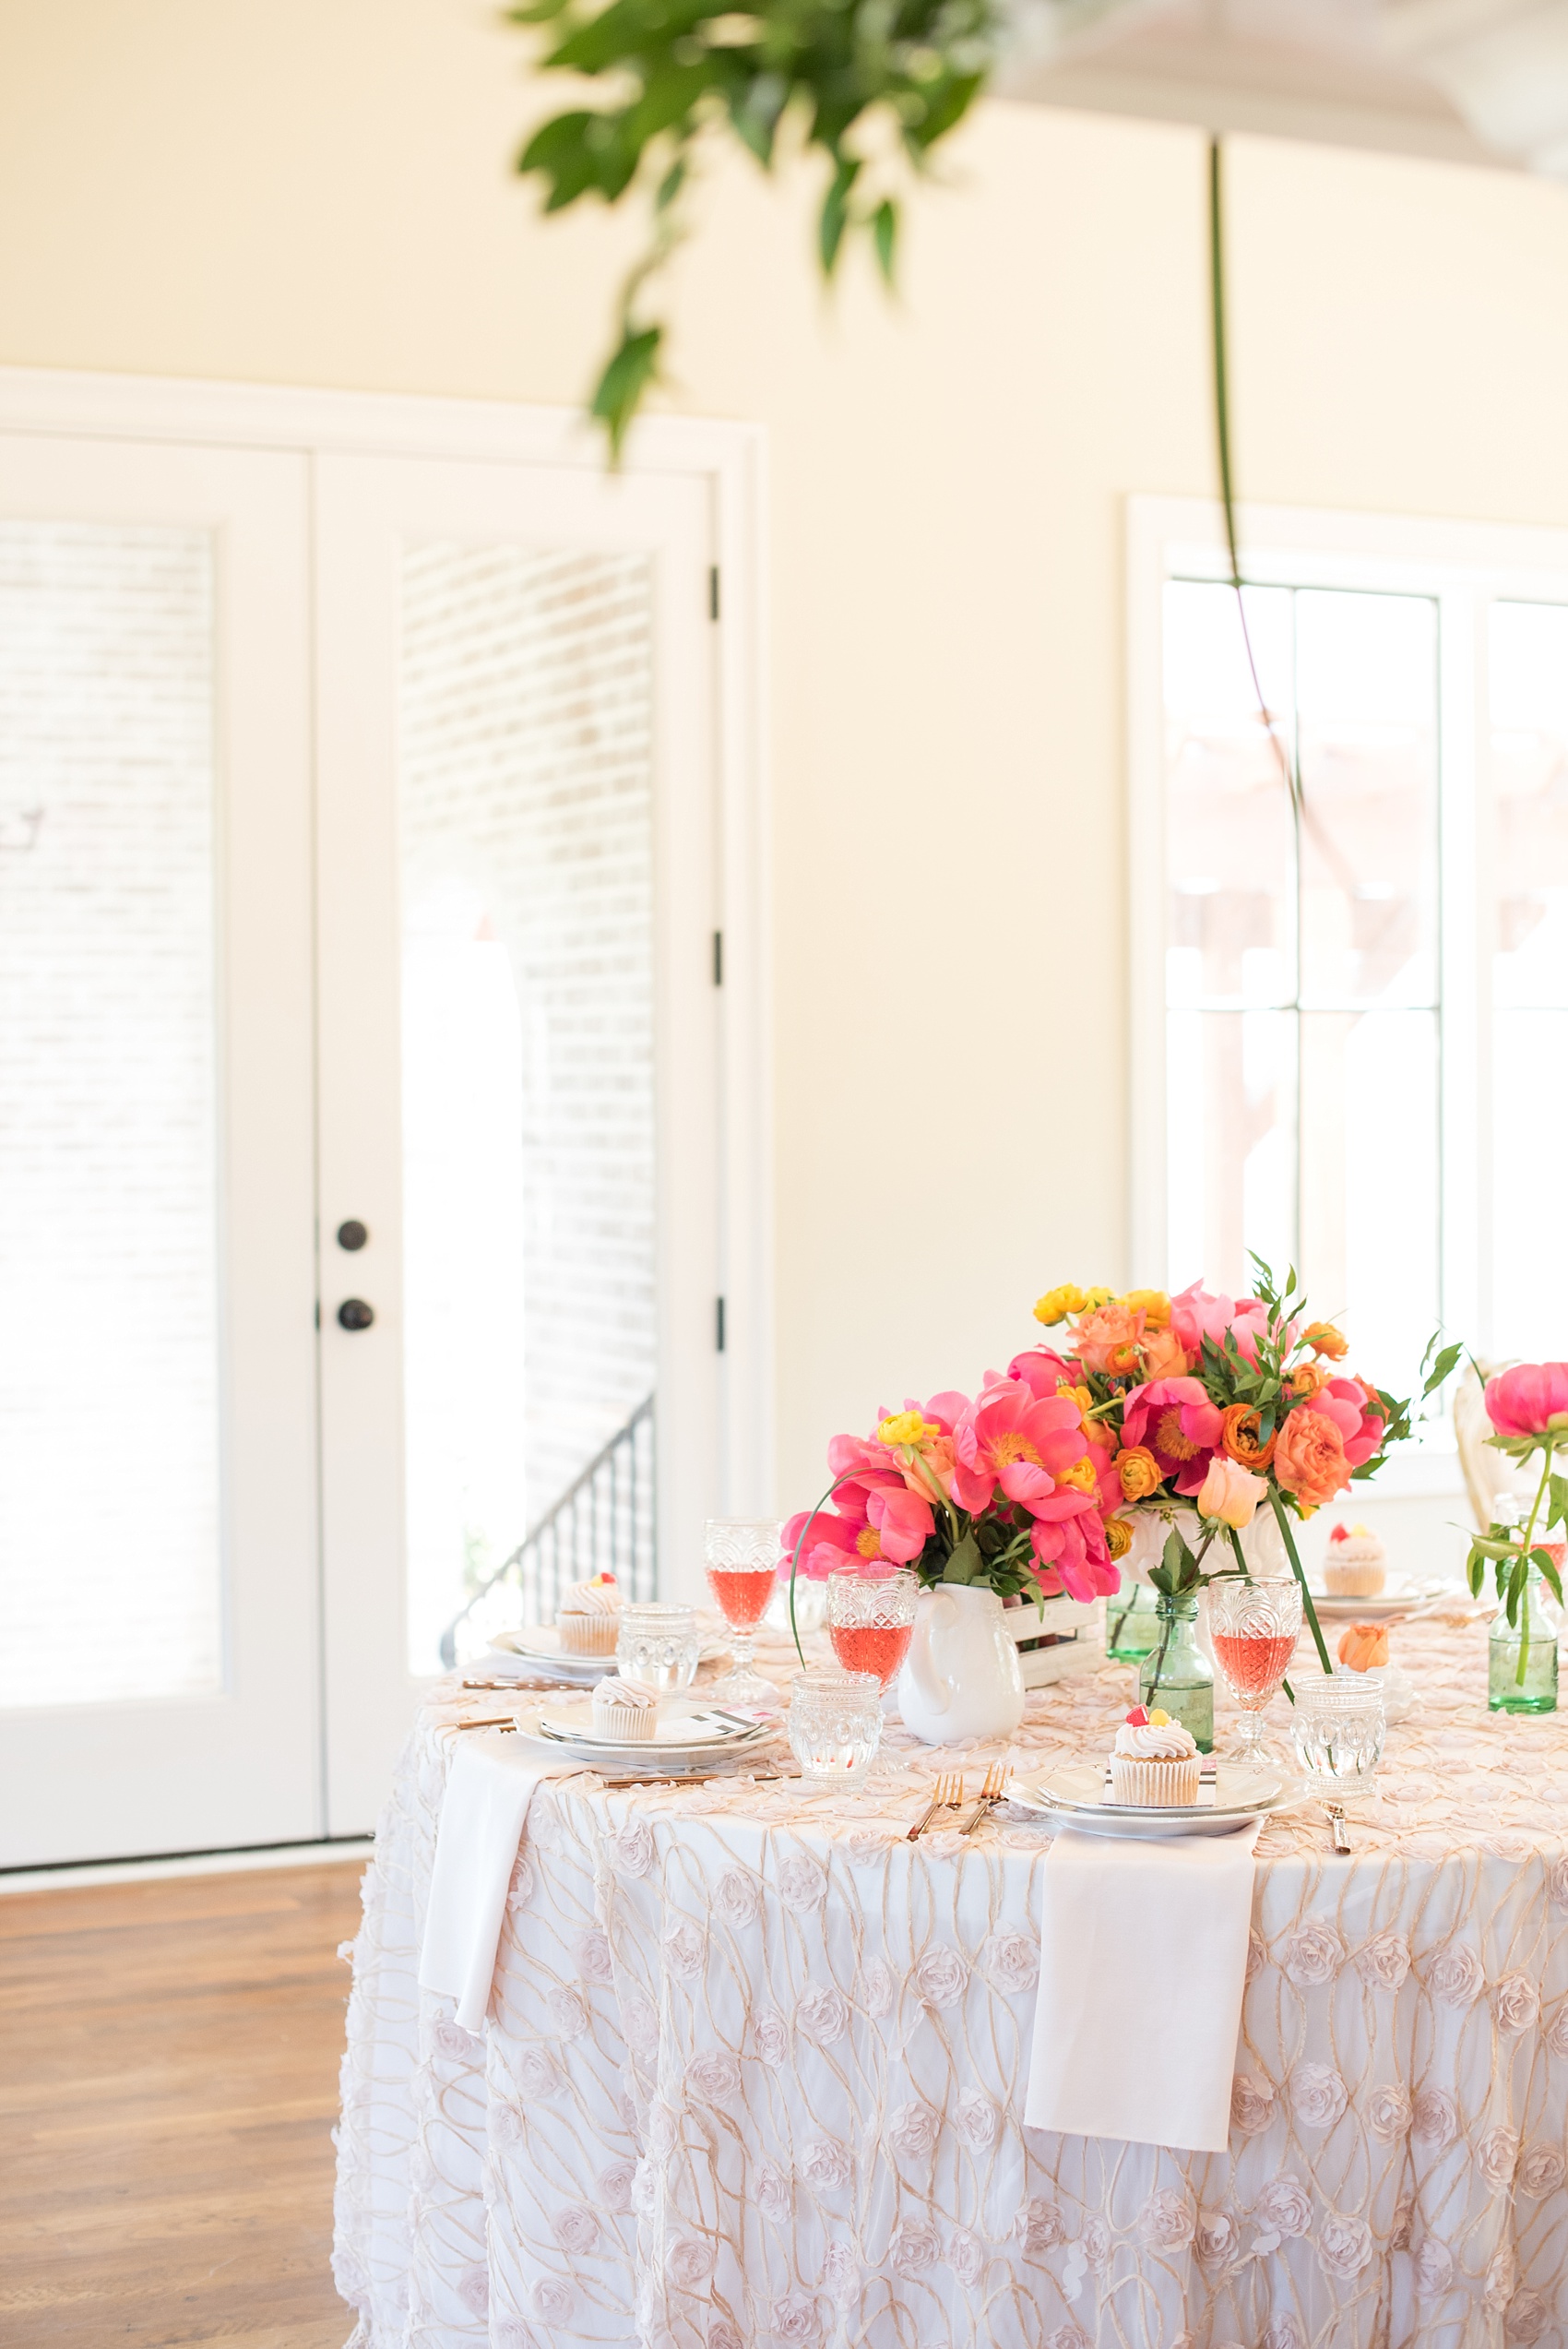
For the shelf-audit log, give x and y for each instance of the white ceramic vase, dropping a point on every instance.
(960, 1678)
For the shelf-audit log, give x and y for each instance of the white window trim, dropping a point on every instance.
(731, 457)
(1465, 567)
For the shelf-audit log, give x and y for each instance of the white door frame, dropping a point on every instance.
(731, 459)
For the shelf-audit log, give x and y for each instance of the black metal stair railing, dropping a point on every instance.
(604, 1522)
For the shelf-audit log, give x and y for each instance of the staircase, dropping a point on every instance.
(605, 1522)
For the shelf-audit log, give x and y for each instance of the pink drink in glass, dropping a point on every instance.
(741, 1592)
(879, 1647)
(1253, 1667)
(871, 1618)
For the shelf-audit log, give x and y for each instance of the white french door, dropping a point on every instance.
(159, 1596)
(370, 815)
(518, 1057)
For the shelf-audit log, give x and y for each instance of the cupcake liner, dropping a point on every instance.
(589, 1635)
(1151, 1786)
(1357, 1579)
(634, 1722)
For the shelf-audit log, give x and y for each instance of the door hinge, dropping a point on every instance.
(713, 591)
(718, 958)
(719, 1323)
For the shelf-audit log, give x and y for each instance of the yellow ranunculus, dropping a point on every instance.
(904, 1427)
(1057, 1304)
(1153, 1303)
(1079, 1395)
(1080, 1474)
(1117, 1537)
(1094, 1297)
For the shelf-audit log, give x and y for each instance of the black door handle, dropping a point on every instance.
(354, 1313)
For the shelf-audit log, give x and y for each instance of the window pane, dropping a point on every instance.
(1529, 777)
(1366, 685)
(528, 1053)
(1230, 1144)
(1529, 1152)
(1369, 1183)
(109, 1479)
(1229, 855)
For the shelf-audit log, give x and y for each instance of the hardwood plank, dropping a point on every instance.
(169, 2054)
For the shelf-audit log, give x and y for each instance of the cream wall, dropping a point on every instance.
(317, 192)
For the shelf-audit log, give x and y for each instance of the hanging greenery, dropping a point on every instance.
(873, 84)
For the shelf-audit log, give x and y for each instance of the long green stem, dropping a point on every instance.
(1307, 1607)
(1525, 1542)
(846, 1478)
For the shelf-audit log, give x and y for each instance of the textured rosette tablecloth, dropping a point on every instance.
(754, 2069)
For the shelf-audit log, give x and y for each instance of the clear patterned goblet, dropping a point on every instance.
(741, 1555)
(1253, 1628)
(871, 1619)
(835, 1726)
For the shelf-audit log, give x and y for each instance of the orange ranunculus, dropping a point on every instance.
(1308, 1378)
(1324, 1338)
(1364, 1645)
(1239, 1437)
(1153, 1303)
(1309, 1457)
(1108, 1339)
(1139, 1472)
(1165, 1356)
(1117, 1537)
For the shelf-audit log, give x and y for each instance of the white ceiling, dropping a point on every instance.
(1468, 81)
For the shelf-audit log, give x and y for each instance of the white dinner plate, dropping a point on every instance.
(538, 1647)
(1398, 1596)
(684, 1732)
(1078, 1796)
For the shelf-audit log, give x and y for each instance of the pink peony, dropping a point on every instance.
(1529, 1401)
(1041, 1371)
(1010, 1438)
(1356, 1411)
(835, 1541)
(1070, 1548)
(1197, 1314)
(1174, 1419)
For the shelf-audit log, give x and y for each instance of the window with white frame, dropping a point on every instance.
(1349, 1010)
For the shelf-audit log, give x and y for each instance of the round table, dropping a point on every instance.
(754, 2071)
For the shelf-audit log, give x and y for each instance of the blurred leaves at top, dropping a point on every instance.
(873, 84)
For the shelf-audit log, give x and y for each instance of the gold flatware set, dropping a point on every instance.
(948, 1796)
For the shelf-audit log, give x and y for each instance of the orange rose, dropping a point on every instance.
(1324, 1338)
(1140, 1473)
(1309, 1458)
(1165, 1356)
(1107, 1339)
(1239, 1437)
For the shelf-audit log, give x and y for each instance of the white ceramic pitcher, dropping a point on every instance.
(960, 1678)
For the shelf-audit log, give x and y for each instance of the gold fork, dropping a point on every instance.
(946, 1796)
(990, 1795)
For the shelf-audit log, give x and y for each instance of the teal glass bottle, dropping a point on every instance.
(1132, 1623)
(1521, 1675)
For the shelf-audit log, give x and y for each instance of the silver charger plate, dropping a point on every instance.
(686, 1734)
(1077, 1795)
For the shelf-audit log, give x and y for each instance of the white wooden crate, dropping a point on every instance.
(1075, 1630)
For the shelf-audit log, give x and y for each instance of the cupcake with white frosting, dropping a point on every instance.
(1356, 1564)
(624, 1709)
(588, 1617)
(1154, 1762)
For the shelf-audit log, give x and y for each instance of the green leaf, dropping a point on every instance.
(1475, 1568)
(1494, 1547)
(836, 213)
(630, 370)
(966, 1562)
(1440, 1369)
(1550, 1576)
(885, 232)
(1558, 1512)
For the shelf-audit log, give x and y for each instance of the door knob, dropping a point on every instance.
(351, 1234)
(354, 1313)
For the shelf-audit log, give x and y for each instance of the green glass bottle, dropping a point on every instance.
(1176, 1674)
(1532, 1637)
(1132, 1623)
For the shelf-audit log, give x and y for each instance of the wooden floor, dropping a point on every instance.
(168, 2079)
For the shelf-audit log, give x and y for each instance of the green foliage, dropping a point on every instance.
(674, 70)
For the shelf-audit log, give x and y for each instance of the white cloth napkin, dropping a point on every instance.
(1143, 1965)
(488, 1788)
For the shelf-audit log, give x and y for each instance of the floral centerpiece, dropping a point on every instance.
(1221, 1406)
(1529, 1410)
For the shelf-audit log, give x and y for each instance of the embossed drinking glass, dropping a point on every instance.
(658, 1644)
(741, 1557)
(835, 1725)
(871, 1618)
(1338, 1727)
(1254, 1627)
